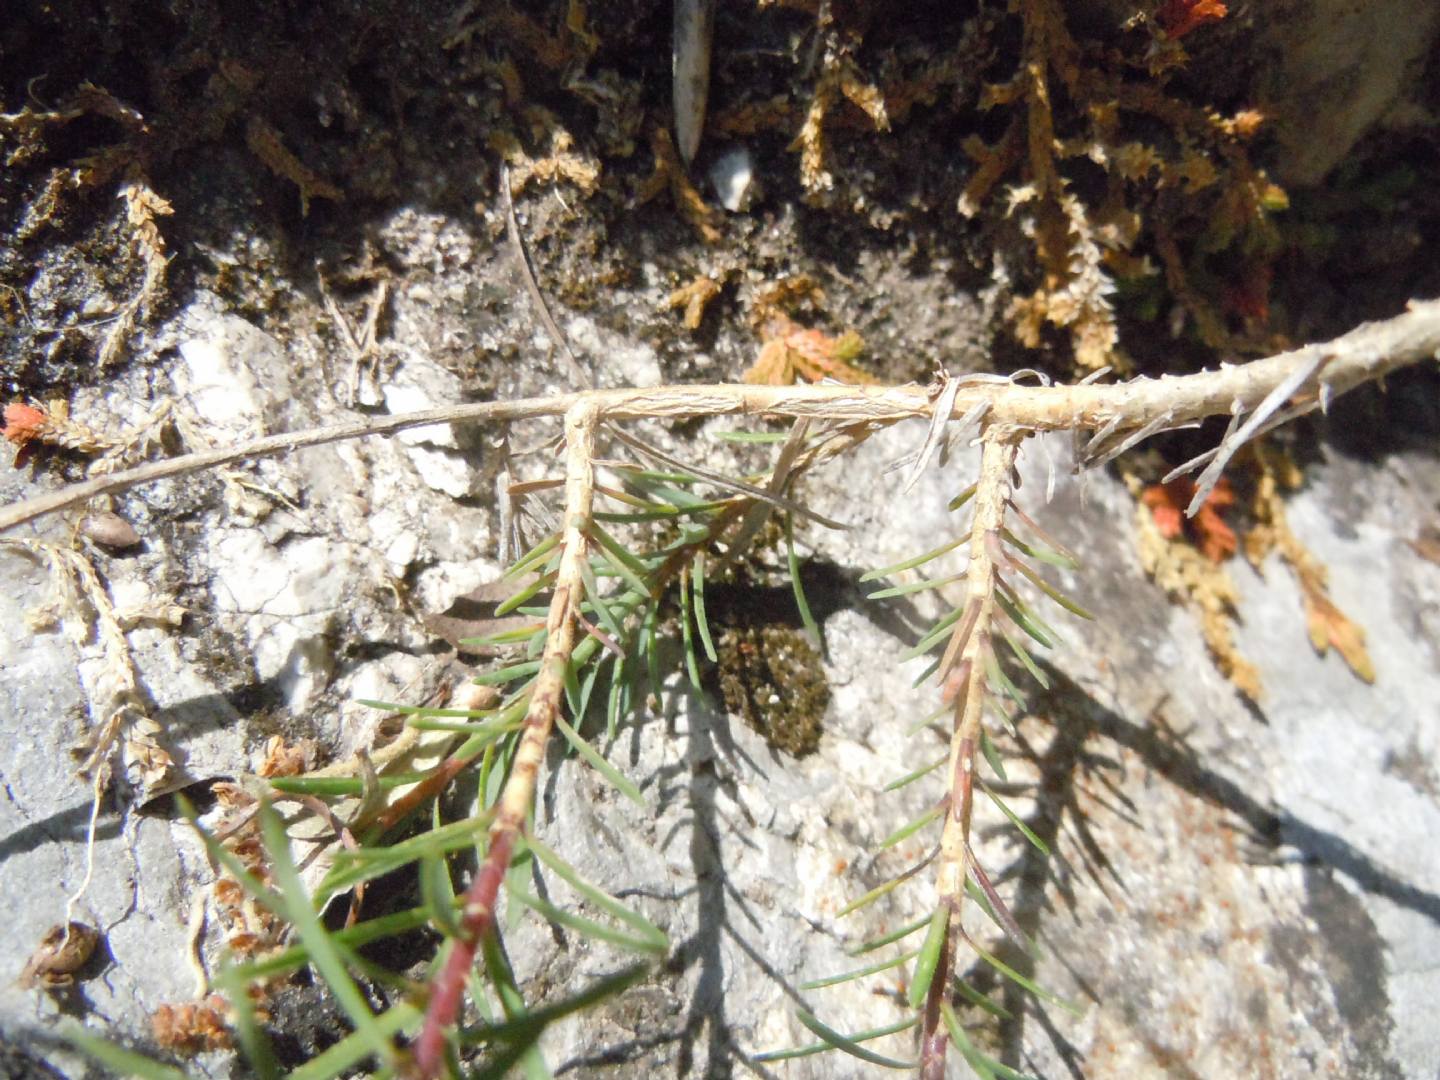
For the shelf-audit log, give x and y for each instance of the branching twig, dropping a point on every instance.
(972, 641)
(478, 912)
(1371, 351)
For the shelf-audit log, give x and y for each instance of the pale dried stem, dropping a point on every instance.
(478, 913)
(1370, 351)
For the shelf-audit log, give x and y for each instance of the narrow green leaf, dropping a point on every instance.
(505, 607)
(1029, 833)
(650, 629)
(1025, 658)
(913, 827)
(1050, 590)
(910, 778)
(823, 1047)
(976, 1060)
(265, 896)
(687, 635)
(254, 1039)
(860, 973)
(501, 676)
(324, 951)
(964, 497)
(117, 1059)
(914, 587)
(617, 699)
(847, 1045)
(794, 562)
(975, 997)
(354, 866)
(1000, 681)
(701, 622)
(874, 894)
(596, 895)
(296, 956)
(1062, 559)
(351, 1051)
(532, 557)
(424, 710)
(598, 603)
(438, 894)
(987, 747)
(593, 756)
(911, 564)
(928, 957)
(1024, 982)
(622, 554)
(632, 577)
(925, 674)
(589, 928)
(521, 1032)
(1023, 618)
(934, 635)
(890, 938)
(337, 786)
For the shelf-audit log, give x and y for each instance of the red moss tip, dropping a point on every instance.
(1178, 17)
(24, 422)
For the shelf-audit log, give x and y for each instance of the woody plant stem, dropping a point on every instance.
(972, 638)
(1370, 351)
(478, 910)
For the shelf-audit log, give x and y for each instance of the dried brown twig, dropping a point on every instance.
(1371, 351)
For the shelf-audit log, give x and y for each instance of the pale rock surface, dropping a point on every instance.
(1231, 892)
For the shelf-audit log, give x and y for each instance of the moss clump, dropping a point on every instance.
(772, 677)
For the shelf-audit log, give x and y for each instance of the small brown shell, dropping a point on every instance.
(62, 952)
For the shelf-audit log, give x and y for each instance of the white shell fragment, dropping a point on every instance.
(733, 177)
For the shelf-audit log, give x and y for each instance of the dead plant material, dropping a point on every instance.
(266, 144)
(560, 163)
(1194, 579)
(670, 175)
(790, 352)
(63, 951)
(694, 298)
(194, 1027)
(1327, 626)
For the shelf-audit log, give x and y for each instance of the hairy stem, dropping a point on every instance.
(478, 910)
(1368, 352)
(992, 495)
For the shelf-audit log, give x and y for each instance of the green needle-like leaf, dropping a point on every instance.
(928, 958)
(1024, 982)
(890, 938)
(911, 564)
(594, 757)
(822, 1047)
(118, 1060)
(588, 928)
(596, 895)
(913, 827)
(975, 997)
(1029, 833)
(910, 778)
(860, 973)
(844, 1044)
(324, 951)
(794, 562)
(701, 622)
(539, 585)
